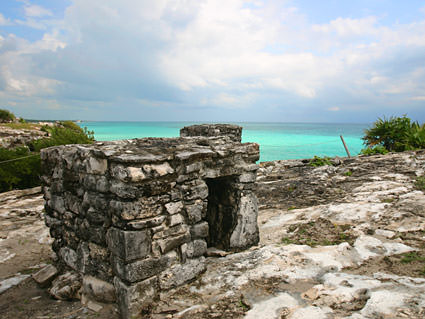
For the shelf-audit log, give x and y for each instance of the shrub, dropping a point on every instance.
(396, 134)
(379, 149)
(20, 174)
(6, 116)
(67, 133)
(320, 161)
(25, 171)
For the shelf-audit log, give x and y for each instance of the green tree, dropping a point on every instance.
(21, 167)
(395, 134)
(6, 116)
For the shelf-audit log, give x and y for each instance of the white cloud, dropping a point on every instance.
(334, 109)
(348, 27)
(229, 53)
(3, 20)
(35, 11)
(418, 98)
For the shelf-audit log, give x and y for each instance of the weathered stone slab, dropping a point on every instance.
(246, 232)
(45, 275)
(66, 287)
(181, 273)
(196, 248)
(129, 245)
(141, 269)
(99, 290)
(134, 299)
(199, 230)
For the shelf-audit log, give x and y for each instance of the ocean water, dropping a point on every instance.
(278, 141)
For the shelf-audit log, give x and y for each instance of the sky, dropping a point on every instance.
(213, 60)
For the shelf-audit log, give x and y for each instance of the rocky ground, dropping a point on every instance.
(11, 137)
(338, 241)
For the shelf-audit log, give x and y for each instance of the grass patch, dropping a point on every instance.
(318, 233)
(412, 257)
(320, 161)
(22, 126)
(420, 182)
(348, 173)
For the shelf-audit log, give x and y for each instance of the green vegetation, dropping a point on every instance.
(243, 304)
(379, 149)
(21, 125)
(348, 173)
(21, 167)
(62, 134)
(395, 134)
(320, 161)
(6, 116)
(411, 257)
(19, 174)
(420, 182)
(318, 233)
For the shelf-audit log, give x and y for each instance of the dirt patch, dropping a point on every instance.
(321, 232)
(410, 264)
(28, 301)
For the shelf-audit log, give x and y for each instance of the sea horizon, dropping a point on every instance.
(277, 140)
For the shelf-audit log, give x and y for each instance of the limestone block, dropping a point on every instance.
(95, 217)
(58, 204)
(45, 275)
(195, 211)
(102, 184)
(199, 230)
(172, 242)
(181, 273)
(147, 223)
(247, 178)
(97, 234)
(98, 252)
(170, 231)
(97, 166)
(139, 270)
(140, 209)
(196, 248)
(66, 287)
(90, 182)
(99, 290)
(175, 219)
(83, 257)
(174, 208)
(123, 190)
(69, 256)
(246, 231)
(199, 191)
(133, 299)
(194, 167)
(128, 245)
(135, 174)
(119, 172)
(157, 170)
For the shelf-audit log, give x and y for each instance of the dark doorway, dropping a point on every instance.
(221, 211)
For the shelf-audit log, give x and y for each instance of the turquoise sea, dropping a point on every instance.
(277, 141)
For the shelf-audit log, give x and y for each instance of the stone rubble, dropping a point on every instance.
(11, 138)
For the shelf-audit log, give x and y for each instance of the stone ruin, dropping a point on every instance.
(136, 217)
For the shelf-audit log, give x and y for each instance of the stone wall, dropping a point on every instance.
(234, 132)
(137, 216)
